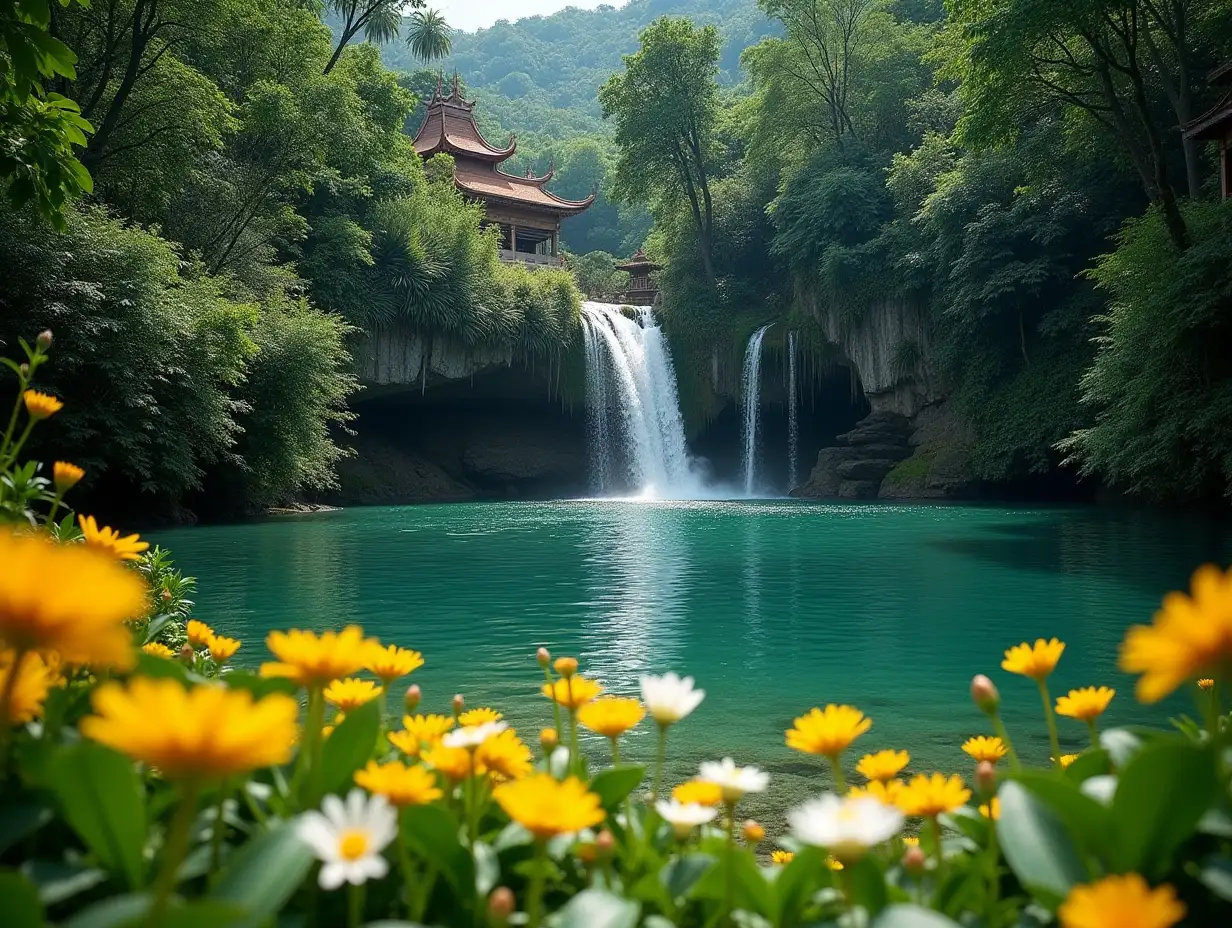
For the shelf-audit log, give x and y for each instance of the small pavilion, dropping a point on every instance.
(641, 290)
(527, 213)
(1216, 125)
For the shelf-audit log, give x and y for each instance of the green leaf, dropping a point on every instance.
(20, 820)
(1089, 764)
(866, 882)
(751, 890)
(1036, 845)
(112, 912)
(680, 873)
(1163, 792)
(349, 746)
(58, 881)
(1088, 822)
(1216, 875)
(795, 882)
(101, 797)
(20, 899)
(593, 908)
(433, 834)
(912, 916)
(263, 874)
(616, 783)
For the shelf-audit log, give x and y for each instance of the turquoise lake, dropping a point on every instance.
(773, 606)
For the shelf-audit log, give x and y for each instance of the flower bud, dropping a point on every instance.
(66, 476)
(501, 904)
(985, 778)
(44, 340)
(914, 861)
(166, 595)
(548, 739)
(459, 703)
(984, 694)
(753, 832)
(566, 666)
(187, 654)
(412, 697)
(587, 852)
(25, 370)
(605, 844)
(544, 657)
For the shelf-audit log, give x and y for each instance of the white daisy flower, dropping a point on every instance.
(732, 780)
(349, 838)
(684, 817)
(844, 827)
(473, 735)
(670, 698)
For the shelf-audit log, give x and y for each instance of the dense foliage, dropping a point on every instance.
(151, 778)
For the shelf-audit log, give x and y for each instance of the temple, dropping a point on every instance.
(641, 290)
(527, 213)
(1216, 126)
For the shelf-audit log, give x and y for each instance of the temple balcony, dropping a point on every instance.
(528, 257)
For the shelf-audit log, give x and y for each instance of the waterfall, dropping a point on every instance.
(633, 410)
(793, 420)
(750, 394)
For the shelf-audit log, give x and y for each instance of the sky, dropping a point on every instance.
(469, 15)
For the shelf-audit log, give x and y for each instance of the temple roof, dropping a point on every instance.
(639, 262)
(450, 127)
(491, 183)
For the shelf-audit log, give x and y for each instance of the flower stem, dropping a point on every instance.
(534, 898)
(220, 829)
(660, 756)
(6, 702)
(310, 758)
(575, 762)
(999, 727)
(178, 834)
(1094, 733)
(836, 767)
(994, 881)
(407, 867)
(355, 905)
(936, 829)
(729, 883)
(547, 675)
(470, 789)
(1052, 723)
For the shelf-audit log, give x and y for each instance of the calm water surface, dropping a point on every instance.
(774, 606)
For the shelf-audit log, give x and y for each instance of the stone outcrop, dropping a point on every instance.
(940, 463)
(856, 468)
(398, 357)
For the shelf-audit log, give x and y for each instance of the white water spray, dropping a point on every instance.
(750, 394)
(636, 431)
(793, 420)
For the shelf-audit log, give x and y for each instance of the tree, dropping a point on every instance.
(430, 36)
(665, 106)
(379, 20)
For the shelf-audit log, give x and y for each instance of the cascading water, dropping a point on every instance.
(636, 430)
(793, 421)
(750, 394)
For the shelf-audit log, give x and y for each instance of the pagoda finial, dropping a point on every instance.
(456, 95)
(440, 80)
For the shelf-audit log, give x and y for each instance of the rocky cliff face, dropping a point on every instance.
(398, 357)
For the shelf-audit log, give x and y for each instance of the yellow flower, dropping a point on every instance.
(207, 732)
(1206, 683)
(698, 792)
(611, 716)
(1189, 636)
(29, 688)
(67, 598)
(1067, 759)
(199, 634)
(1085, 704)
(566, 666)
(1035, 662)
(454, 763)
(1124, 901)
(573, 692)
(479, 716)
(911, 840)
(314, 660)
(351, 693)
(128, 548)
(834, 863)
(504, 755)
(546, 807)
(66, 476)
(927, 796)
(884, 765)
(41, 405)
(401, 785)
(420, 731)
(222, 649)
(983, 748)
(782, 857)
(991, 809)
(390, 663)
(158, 649)
(829, 731)
(886, 791)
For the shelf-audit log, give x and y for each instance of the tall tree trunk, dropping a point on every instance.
(145, 12)
(348, 33)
